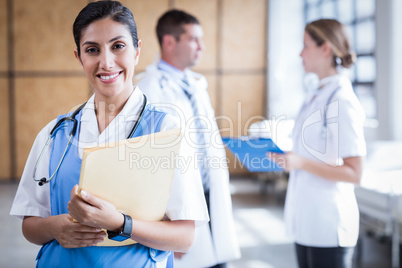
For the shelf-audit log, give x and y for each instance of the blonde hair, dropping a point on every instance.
(333, 32)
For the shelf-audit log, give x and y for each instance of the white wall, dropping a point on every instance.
(285, 70)
(389, 70)
(397, 69)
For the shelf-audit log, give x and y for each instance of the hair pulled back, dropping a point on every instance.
(333, 32)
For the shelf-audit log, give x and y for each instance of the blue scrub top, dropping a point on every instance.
(53, 254)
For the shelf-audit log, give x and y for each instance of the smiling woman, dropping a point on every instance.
(108, 50)
(108, 56)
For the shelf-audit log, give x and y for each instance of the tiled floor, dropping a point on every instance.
(259, 223)
(16, 251)
(263, 241)
(258, 220)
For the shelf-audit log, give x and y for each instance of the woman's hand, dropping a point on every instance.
(72, 234)
(92, 211)
(163, 235)
(351, 170)
(288, 161)
(68, 233)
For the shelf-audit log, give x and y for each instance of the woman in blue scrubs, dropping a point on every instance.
(108, 49)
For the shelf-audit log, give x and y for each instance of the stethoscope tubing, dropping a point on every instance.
(144, 104)
(324, 124)
(43, 180)
(326, 106)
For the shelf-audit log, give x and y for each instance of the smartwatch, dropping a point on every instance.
(122, 234)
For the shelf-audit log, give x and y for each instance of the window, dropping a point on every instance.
(359, 18)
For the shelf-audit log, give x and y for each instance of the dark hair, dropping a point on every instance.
(333, 32)
(172, 23)
(100, 10)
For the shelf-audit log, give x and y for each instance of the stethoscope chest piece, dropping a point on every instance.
(52, 134)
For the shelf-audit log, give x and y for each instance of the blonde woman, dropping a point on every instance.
(321, 212)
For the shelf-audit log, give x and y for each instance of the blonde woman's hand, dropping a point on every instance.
(288, 161)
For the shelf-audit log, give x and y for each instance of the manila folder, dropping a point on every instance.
(135, 175)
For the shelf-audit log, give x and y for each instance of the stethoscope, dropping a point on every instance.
(71, 118)
(325, 123)
(324, 128)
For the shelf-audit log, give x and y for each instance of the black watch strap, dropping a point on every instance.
(123, 234)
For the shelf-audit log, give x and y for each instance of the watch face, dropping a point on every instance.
(125, 233)
(118, 238)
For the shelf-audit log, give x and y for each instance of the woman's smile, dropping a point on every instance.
(109, 77)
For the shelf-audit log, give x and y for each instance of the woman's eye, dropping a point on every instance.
(91, 50)
(118, 46)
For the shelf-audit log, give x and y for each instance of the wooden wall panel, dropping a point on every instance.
(43, 35)
(3, 36)
(4, 131)
(235, 166)
(146, 14)
(206, 11)
(244, 34)
(40, 100)
(243, 105)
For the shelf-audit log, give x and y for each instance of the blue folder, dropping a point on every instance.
(252, 153)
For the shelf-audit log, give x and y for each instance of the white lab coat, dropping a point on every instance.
(320, 212)
(222, 246)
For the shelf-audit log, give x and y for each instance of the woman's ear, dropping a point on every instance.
(137, 52)
(76, 56)
(326, 48)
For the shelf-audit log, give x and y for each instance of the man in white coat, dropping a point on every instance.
(169, 84)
